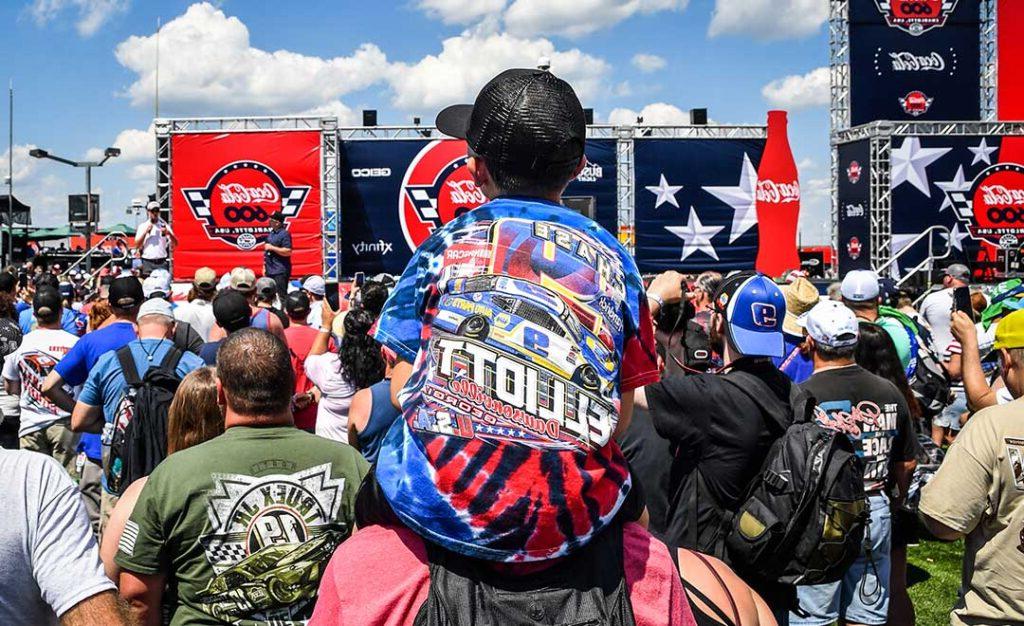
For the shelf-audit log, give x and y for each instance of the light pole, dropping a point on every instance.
(39, 153)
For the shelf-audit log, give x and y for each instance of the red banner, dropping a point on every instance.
(1010, 37)
(225, 186)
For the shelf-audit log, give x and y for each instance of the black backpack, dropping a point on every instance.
(803, 517)
(139, 439)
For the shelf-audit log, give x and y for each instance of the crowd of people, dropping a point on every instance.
(518, 430)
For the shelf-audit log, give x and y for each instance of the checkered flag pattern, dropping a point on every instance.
(425, 205)
(222, 553)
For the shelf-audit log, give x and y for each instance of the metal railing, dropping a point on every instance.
(928, 233)
(88, 253)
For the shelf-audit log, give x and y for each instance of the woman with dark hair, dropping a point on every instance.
(876, 353)
(357, 365)
(10, 339)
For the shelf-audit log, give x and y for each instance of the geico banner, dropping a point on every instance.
(854, 196)
(972, 185)
(225, 186)
(914, 60)
(696, 203)
(395, 193)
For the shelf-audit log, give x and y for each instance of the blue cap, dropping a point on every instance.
(754, 310)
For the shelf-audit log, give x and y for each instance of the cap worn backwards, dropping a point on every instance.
(832, 324)
(860, 286)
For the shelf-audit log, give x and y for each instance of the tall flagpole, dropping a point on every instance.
(10, 177)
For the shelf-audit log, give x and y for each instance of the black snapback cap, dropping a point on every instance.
(125, 292)
(231, 310)
(528, 121)
(296, 302)
(46, 301)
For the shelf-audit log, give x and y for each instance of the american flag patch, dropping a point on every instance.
(128, 537)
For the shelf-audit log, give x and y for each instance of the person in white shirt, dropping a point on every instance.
(154, 239)
(198, 311)
(935, 308)
(44, 426)
(315, 288)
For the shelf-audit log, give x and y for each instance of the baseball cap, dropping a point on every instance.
(277, 216)
(296, 303)
(46, 301)
(243, 279)
(156, 306)
(205, 278)
(155, 287)
(801, 296)
(153, 205)
(754, 309)
(832, 324)
(860, 286)
(1010, 331)
(266, 286)
(525, 120)
(315, 285)
(125, 292)
(958, 271)
(231, 310)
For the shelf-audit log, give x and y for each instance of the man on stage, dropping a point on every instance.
(154, 240)
(277, 254)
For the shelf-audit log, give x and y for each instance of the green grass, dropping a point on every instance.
(933, 577)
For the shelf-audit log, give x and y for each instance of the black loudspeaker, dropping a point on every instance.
(369, 117)
(699, 117)
(588, 115)
(78, 211)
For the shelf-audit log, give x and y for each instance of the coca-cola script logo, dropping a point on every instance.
(994, 205)
(770, 191)
(916, 16)
(853, 172)
(436, 189)
(916, 103)
(237, 202)
(853, 248)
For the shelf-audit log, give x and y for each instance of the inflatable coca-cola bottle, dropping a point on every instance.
(778, 201)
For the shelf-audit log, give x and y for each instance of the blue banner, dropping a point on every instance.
(395, 192)
(854, 218)
(695, 204)
(914, 60)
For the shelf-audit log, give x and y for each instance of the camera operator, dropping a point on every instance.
(682, 314)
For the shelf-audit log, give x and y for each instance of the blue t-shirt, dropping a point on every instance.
(70, 321)
(106, 385)
(20, 306)
(274, 263)
(208, 353)
(74, 368)
(793, 363)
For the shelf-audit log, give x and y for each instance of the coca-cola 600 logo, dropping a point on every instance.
(237, 202)
(770, 191)
(916, 16)
(436, 189)
(994, 205)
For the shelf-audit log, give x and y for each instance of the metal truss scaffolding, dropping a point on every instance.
(329, 192)
(989, 59)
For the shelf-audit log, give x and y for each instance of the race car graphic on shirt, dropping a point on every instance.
(34, 367)
(272, 537)
(1015, 457)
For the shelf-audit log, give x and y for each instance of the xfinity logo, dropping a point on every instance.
(371, 172)
(380, 247)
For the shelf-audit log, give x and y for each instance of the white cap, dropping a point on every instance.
(156, 306)
(860, 286)
(225, 282)
(831, 323)
(154, 284)
(315, 285)
(152, 204)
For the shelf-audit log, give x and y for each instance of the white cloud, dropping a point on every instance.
(575, 18)
(648, 63)
(43, 185)
(799, 92)
(658, 113)
(92, 14)
(335, 108)
(815, 211)
(208, 66)
(468, 61)
(461, 11)
(135, 144)
(768, 19)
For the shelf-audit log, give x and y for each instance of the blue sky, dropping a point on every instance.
(83, 71)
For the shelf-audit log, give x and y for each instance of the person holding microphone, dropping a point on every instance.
(154, 239)
(277, 253)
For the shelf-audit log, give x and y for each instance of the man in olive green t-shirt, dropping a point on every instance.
(243, 525)
(979, 492)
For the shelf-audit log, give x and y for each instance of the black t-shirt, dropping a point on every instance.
(871, 411)
(715, 425)
(650, 459)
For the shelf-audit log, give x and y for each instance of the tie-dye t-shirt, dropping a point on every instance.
(525, 322)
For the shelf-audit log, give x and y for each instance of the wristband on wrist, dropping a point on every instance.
(656, 299)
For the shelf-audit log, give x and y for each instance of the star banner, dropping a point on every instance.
(695, 206)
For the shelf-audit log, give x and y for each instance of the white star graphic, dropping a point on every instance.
(696, 236)
(910, 162)
(665, 193)
(741, 198)
(956, 237)
(982, 153)
(957, 184)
